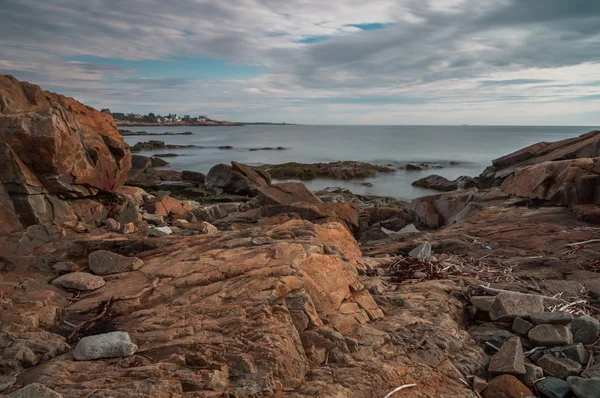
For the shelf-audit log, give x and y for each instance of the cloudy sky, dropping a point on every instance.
(314, 61)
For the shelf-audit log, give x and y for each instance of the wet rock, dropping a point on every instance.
(521, 326)
(550, 335)
(584, 388)
(532, 373)
(552, 318)
(576, 352)
(506, 386)
(160, 231)
(35, 390)
(103, 262)
(585, 329)
(79, 281)
(107, 345)
(559, 367)
(507, 306)
(422, 251)
(509, 359)
(7, 382)
(436, 182)
(552, 387)
(337, 170)
(482, 303)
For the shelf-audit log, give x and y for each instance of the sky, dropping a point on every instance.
(506, 62)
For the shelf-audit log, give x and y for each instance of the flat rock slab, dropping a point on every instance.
(585, 329)
(79, 281)
(35, 390)
(509, 359)
(553, 387)
(103, 262)
(559, 367)
(107, 345)
(507, 306)
(550, 335)
(584, 388)
(552, 318)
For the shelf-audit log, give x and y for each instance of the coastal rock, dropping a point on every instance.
(286, 193)
(51, 145)
(154, 219)
(482, 303)
(521, 326)
(237, 179)
(337, 170)
(169, 207)
(559, 367)
(506, 386)
(508, 306)
(509, 359)
(436, 182)
(160, 231)
(532, 374)
(552, 318)
(194, 176)
(422, 251)
(35, 390)
(79, 281)
(112, 225)
(550, 335)
(585, 329)
(584, 388)
(107, 345)
(553, 387)
(103, 262)
(576, 352)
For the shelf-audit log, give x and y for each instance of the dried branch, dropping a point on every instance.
(395, 390)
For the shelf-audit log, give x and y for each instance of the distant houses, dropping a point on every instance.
(152, 118)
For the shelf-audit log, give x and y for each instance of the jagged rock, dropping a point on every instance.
(7, 382)
(237, 179)
(550, 335)
(508, 306)
(532, 374)
(35, 390)
(585, 329)
(160, 231)
(559, 367)
(506, 386)
(79, 281)
(584, 388)
(509, 359)
(552, 318)
(576, 352)
(107, 345)
(285, 193)
(422, 251)
(103, 262)
(167, 206)
(521, 326)
(553, 387)
(482, 303)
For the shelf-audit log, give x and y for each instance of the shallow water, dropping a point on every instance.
(473, 146)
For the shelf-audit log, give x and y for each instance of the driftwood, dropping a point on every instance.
(493, 290)
(585, 242)
(395, 390)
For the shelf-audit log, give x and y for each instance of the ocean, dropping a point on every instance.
(473, 147)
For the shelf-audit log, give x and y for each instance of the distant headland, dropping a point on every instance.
(151, 119)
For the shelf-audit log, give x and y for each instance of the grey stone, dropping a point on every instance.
(585, 329)
(7, 382)
(559, 367)
(584, 388)
(421, 251)
(593, 372)
(532, 373)
(103, 262)
(550, 335)
(160, 231)
(552, 318)
(63, 267)
(79, 281)
(509, 359)
(576, 352)
(507, 306)
(567, 288)
(552, 387)
(35, 390)
(482, 303)
(107, 345)
(153, 219)
(479, 384)
(491, 334)
(521, 326)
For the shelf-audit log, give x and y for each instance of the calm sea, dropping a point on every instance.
(472, 146)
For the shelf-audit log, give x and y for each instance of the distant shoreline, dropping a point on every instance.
(198, 124)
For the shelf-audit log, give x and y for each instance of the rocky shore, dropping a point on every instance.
(336, 170)
(127, 133)
(119, 279)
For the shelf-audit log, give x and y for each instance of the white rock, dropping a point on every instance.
(422, 251)
(160, 231)
(107, 345)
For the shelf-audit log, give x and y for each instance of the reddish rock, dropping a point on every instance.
(436, 182)
(506, 386)
(237, 179)
(167, 206)
(286, 193)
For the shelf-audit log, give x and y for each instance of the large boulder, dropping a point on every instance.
(237, 179)
(53, 147)
(286, 193)
(436, 182)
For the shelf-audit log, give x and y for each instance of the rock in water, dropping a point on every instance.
(553, 387)
(79, 281)
(550, 335)
(107, 345)
(559, 367)
(506, 386)
(436, 182)
(35, 390)
(585, 329)
(509, 359)
(507, 306)
(584, 388)
(422, 251)
(103, 262)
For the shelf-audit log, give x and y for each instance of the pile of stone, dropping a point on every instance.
(535, 350)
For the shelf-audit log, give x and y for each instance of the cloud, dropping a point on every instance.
(397, 59)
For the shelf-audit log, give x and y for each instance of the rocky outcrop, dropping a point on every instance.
(53, 148)
(237, 179)
(286, 193)
(338, 170)
(436, 182)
